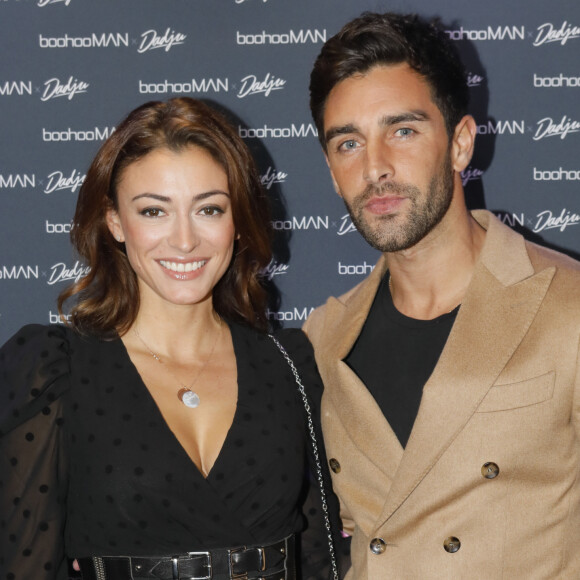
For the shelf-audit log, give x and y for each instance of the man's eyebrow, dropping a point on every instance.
(336, 131)
(389, 120)
(386, 121)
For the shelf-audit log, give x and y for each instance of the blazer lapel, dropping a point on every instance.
(352, 402)
(504, 294)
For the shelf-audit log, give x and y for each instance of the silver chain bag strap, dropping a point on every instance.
(316, 455)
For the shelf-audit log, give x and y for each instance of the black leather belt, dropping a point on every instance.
(274, 561)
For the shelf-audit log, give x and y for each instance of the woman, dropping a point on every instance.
(161, 434)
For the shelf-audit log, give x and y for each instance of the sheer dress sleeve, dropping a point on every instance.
(34, 366)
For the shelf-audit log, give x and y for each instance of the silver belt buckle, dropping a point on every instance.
(175, 566)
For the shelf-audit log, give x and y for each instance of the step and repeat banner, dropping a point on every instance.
(71, 69)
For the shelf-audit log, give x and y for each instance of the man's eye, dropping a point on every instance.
(348, 145)
(405, 132)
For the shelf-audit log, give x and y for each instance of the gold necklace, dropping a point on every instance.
(185, 394)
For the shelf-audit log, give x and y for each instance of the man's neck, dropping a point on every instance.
(432, 277)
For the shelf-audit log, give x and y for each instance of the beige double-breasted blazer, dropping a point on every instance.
(488, 485)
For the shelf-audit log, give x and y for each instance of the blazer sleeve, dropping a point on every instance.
(34, 369)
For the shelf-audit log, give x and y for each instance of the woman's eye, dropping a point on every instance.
(211, 210)
(152, 212)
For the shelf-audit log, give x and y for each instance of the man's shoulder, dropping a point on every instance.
(326, 314)
(345, 297)
(543, 257)
(512, 257)
(566, 281)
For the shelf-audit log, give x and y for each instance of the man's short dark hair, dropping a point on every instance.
(387, 39)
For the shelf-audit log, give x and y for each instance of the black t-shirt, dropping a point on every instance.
(394, 357)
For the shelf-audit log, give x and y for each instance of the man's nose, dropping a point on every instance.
(377, 162)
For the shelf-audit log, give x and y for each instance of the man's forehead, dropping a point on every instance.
(385, 91)
(383, 72)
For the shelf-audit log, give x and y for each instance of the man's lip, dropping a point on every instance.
(385, 204)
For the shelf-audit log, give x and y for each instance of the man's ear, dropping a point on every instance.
(332, 176)
(463, 143)
(114, 225)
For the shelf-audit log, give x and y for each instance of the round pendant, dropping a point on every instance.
(188, 398)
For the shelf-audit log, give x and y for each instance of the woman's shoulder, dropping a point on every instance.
(293, 340)
(34, 365)
(46, 342)
(36, 341)
(300, 352)
(287, 350)
(296, 343)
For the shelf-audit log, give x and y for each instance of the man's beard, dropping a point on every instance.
(383, 233)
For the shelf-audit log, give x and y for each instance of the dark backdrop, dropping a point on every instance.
(71, 69)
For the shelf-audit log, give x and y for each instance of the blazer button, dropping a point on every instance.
(378, 546)
(334, 465)
(489, 470)
(451, 544)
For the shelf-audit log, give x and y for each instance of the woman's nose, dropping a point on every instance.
(183, 235)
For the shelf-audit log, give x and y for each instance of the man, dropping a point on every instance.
(452, 402)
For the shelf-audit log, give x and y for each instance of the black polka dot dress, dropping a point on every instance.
(89, 467)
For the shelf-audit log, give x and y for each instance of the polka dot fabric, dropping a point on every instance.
(89, 467)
